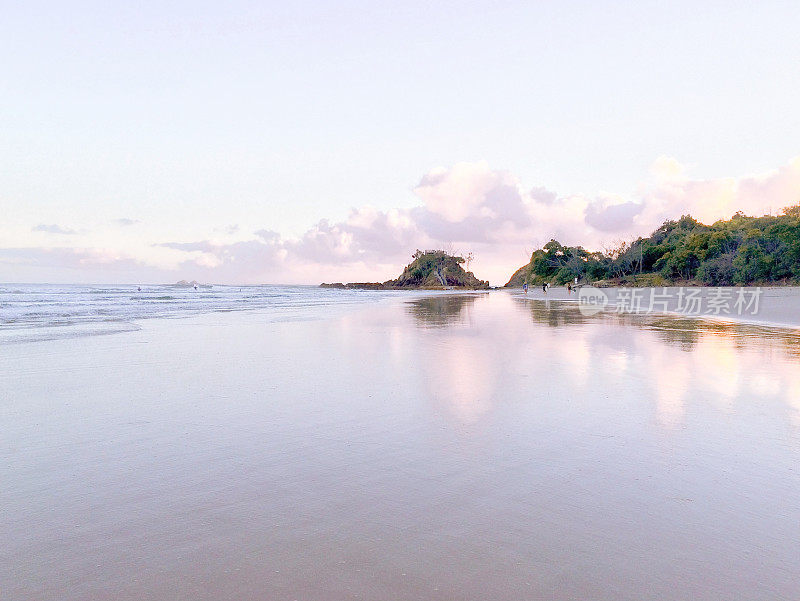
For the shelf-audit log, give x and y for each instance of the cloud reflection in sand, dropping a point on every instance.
(718, 362)
(678, 362)
(457, 373)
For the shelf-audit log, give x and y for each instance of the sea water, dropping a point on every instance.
(47, 311)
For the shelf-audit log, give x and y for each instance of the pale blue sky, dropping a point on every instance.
(193, 116)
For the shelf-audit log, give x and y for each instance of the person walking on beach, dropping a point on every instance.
(569, 288)
(525, 287)
(544, 287)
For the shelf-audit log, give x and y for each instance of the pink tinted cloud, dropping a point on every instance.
(669, 195)
(468, 207)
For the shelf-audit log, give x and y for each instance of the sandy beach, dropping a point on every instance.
(471, 446)
(380, 301)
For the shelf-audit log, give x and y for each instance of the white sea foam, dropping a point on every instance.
(44, 311)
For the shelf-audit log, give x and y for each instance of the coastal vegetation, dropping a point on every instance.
(739, 251)
(430, 270)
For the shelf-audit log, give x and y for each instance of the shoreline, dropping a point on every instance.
(785, 323)
(780, 308)
(37, 318)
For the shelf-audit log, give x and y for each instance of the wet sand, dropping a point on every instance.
(456, 447)
(763, 305)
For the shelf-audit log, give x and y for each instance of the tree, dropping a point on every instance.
(468, 259)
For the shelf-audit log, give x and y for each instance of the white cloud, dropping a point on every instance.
(54, 229)
(712, 199)
(666, 168)
(470, 201)
(611, 214)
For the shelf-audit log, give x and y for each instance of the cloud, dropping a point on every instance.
(708, 200)
(203, 246)
(229, 230)
(64, 264)
(268, 235)
(245, 261)
(467, 207)
(54, 229)
(542, 195)
(125, 222)
(470, 202)
(667, 168)
(607, 215)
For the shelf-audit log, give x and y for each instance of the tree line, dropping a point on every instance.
(739, 251)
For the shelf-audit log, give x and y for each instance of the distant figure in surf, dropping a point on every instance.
(195, 286)
(544, 287)
(569, 288)
(139, 288)
(525, 288)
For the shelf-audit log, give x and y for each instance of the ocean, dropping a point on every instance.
(30, 312)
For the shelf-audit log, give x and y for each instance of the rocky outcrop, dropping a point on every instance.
(434, 269)
(192, 284)
(429, 270)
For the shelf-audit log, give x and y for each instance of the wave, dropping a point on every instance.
(43, 306)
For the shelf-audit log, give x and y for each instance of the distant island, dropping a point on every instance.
(735, 252)
(192, 284)
(429, 270)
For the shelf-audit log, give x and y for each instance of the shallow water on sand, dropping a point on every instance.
(455, 447)
(35, 312)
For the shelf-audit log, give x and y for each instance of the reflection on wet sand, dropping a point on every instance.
(456, 374)
(684, 332)
(454, 447)
(442, 311)
(721, 362)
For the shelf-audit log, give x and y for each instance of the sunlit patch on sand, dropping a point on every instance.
(616, 362)
(716, 355)
(792, 396)
(671, 380)
(462, 379)
(574, 351)
(764, 385)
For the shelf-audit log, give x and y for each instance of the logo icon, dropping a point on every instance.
(591, 300)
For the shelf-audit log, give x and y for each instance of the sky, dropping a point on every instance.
(259, 142)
